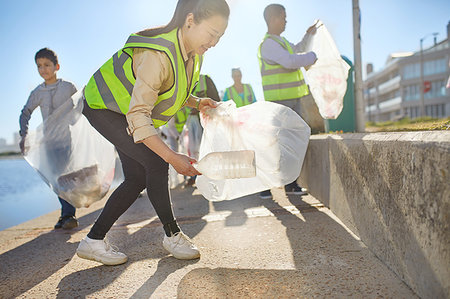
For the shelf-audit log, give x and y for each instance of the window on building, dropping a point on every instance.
(430, 67)
(435, 111)
(436, 66)
(415, 112)
(437, 90)
(440, 110)
(411, 71)
(411, 92)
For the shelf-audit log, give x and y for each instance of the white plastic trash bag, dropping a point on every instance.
(191, 136)
(71, 156)
(170, 136)
(327, 78)
(275, 132)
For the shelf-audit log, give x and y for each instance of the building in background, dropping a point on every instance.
(16, 138)
(10, 148)
(394, 92)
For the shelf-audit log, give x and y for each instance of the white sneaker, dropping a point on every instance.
(181, 247)
(100, 251)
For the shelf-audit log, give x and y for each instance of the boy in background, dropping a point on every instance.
(50, 95)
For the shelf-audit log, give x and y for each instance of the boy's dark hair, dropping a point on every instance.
(272, 10)
(47, 53)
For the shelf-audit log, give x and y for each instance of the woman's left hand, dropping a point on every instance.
(206, 103)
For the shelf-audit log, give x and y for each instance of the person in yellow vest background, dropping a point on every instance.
(206, 88)
(280, 65)
(137, 91)
(241, 94)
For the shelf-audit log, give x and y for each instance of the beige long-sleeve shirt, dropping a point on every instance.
(154, 75)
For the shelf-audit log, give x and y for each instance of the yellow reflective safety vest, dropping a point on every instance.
(234, 95)
(111, 86)
(278, 82)
(181, 117)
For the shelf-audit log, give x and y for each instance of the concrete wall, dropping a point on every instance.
(393, 191)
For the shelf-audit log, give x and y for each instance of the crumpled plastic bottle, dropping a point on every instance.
(228, 165)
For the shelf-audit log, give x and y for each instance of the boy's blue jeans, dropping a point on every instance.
(66, 208)
(59, 156)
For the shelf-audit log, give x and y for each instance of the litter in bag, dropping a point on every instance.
(327, 78)
(75, 161)
(277, 135)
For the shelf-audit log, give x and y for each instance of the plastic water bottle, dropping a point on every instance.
(228, 165)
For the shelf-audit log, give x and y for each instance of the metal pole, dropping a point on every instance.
(422, 88)
(422, 100)
(359, 99)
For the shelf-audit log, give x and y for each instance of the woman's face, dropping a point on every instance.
(237, 76)
(204, 35)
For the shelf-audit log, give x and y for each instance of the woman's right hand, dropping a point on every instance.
(183, 164)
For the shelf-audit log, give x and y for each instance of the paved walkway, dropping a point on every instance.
(286, 247)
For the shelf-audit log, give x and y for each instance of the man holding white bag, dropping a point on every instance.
(280, 65)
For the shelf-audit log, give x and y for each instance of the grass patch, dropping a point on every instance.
(407, 124)
(8, 154)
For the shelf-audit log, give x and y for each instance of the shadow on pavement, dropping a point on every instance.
(327, 260)
(86, 282)
(33, 262)
(166, 266)
(140, 243)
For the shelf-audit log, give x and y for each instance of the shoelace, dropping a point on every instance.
(109, 247)
(181, 238)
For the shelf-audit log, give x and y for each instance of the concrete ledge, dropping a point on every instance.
(393, 191)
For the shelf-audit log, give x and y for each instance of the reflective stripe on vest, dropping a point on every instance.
(201, 89)
(278, 82)
(236, 97)
(181, 117)
(112, 85)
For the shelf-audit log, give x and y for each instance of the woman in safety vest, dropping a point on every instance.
(138, 90)
(241, 94)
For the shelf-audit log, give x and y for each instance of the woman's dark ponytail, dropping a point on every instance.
(202, 9)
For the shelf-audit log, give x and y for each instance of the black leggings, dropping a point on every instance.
(142, 168)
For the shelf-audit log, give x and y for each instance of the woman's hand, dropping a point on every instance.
(206, 103)
(183, 164)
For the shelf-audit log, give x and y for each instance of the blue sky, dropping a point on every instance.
(85, 34)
